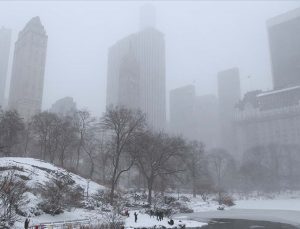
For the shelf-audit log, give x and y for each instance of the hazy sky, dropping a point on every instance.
(202, 38)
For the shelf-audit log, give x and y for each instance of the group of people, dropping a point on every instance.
(159, 214)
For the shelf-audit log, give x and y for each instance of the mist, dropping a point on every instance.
(202, 38)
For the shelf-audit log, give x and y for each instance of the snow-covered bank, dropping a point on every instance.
(145, 221)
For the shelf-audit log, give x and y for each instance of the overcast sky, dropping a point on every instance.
(202, 38)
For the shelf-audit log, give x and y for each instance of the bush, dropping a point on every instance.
(184, 209)
(12, 197)
(228, 201)
(58, 193)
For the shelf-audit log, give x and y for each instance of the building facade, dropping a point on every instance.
(5, 42)
(64, 107)
(27, 80)
(284, 36)
(229, 93)
(182, 106)
(194, 117)
(265, 118)
(136, 75)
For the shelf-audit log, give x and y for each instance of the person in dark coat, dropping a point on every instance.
(135, 217)
(26, 224)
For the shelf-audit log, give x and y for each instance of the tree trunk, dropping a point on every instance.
(150, 186)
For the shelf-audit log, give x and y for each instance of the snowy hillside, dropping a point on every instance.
(37, 172)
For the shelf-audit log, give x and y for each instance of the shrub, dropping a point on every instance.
(58, 193)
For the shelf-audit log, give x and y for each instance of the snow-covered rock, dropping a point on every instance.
(36, 172)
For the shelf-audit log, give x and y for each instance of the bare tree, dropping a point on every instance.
(82, 121)
(220, 161)
(46, 127)
(196, 164)
(66, 138)
(156, 155)
(12, 190)
(123, 125)
(11, 126)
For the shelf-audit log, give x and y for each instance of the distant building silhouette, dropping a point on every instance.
(182, 105)
(229, 93)
(194, 117)
(27, 81)
(136, 75)
(270, 117)
(64, 107)
(284, 37)
(5, 42)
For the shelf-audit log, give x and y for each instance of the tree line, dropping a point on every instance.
(120, 150)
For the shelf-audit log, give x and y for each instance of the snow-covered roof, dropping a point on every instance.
(278, 91)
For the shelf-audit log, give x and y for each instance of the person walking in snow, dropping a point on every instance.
(26, 224)
(135, 217)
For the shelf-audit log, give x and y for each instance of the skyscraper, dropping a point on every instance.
(182, 105)
(194, 117)
(136, 75)
(5, 40)
(64, 107)
(284, 36)
(229, 93)
(27, 81)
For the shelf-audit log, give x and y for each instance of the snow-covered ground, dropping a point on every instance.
(279, 208)
(144, 220)
(39, 172)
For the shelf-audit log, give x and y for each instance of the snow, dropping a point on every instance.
(278, 91)
(144, 220)
(40, 172)
(283, 208)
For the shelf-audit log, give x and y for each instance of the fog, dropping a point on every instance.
(202, 38)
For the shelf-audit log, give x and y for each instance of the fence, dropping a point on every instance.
(76, 224)
(68, 224)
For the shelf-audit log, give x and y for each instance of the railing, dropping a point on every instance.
(62, 224)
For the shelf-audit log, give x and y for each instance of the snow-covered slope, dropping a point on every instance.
(38, 172)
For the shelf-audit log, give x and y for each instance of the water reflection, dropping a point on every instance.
(245, 224)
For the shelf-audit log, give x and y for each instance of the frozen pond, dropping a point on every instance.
(245, 224)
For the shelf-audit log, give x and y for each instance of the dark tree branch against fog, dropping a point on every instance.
(11, 127)
(123, 126)
(82, 121)
(220, 161)
(155, 156)
(46, 127)
(195, 164)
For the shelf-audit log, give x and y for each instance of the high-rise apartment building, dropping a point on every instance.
(284, 36)
(229, 93)
(194, 117)
(5, 40)
(182, 105)
(64, 107)
(136, 75)
(27, 81)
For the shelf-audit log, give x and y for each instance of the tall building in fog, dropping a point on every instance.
(182, 104)
(27, 80)
(194, 117)
(5, 40)
(136, 75)
(229, 94)
(64, 107)
(284, 37)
